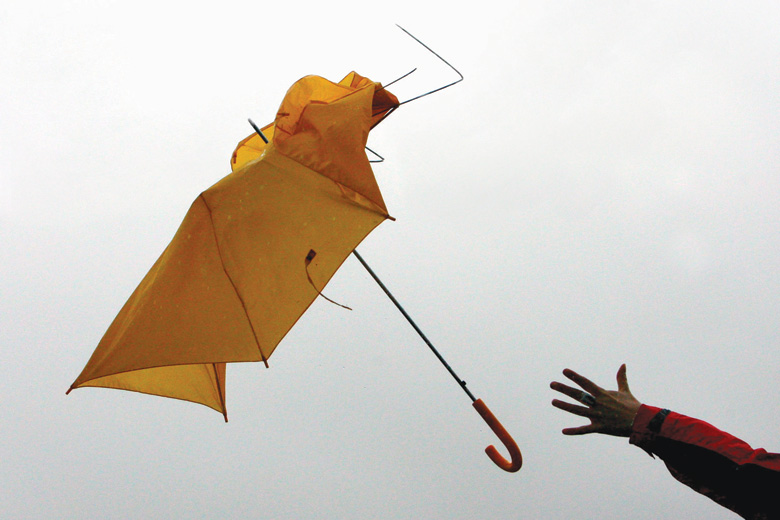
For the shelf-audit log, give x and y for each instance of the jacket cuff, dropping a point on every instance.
(641, 433)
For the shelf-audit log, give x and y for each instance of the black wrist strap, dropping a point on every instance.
(656, 422)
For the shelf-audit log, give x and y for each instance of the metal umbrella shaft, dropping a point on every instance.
(516, 460)
(414, 325)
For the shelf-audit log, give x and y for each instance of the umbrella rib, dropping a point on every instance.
(235, 289)
(438, 56)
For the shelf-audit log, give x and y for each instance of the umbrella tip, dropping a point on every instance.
(259, 132)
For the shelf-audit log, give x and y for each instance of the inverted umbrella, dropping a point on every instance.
(252, 250)
(255, 250)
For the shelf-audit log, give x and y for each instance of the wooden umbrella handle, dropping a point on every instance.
(500, 431)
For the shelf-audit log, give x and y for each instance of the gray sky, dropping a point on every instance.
(602, 188)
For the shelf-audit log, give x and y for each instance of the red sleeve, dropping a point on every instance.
(712, 462)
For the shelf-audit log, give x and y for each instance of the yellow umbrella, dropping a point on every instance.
(255, 250)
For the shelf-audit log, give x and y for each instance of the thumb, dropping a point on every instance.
(622, 379)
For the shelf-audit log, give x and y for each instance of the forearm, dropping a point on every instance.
(711, 461)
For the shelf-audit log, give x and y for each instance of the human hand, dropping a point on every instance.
(610, 412)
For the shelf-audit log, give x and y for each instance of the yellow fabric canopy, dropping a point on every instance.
(253, 250)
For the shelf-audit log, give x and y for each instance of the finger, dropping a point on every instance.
(584, 382)
(574, 393)
(580, 430)
(582, 411)
(622, 379)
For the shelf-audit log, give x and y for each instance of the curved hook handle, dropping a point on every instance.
(509, 442)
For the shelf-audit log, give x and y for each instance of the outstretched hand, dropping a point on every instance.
(610, 412)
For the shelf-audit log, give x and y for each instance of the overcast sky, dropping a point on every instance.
(602, 188)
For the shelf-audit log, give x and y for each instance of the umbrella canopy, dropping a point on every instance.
(254, 250)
